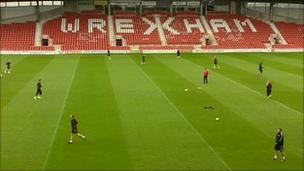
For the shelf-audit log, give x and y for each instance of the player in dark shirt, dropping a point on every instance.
(39, 90)
(74, 128)
(261, 68)
(8, 67)
(143, 59)
(178, 54)
(268, 88)
(279, 144)
(216, 63)
(109, 55)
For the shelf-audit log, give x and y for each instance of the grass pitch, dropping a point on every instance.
(140, 116)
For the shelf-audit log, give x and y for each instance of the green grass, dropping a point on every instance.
(139, 116)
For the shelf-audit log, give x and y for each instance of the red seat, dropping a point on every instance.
(17, 36)
(293, 34)
(81, 40)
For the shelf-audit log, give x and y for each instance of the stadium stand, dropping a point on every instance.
(89, 31)
(135, 29)
(233, 32)
(186, 28)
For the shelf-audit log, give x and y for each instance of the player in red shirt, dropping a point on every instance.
(205, 75)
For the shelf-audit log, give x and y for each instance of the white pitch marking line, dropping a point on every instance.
(62, 108)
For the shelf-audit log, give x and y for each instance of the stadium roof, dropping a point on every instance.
(277, 1)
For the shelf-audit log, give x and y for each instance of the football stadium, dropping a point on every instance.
(151, 85)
